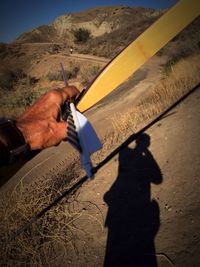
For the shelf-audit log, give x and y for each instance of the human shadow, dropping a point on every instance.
(133, 217)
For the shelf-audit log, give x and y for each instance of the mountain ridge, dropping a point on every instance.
(98, 20)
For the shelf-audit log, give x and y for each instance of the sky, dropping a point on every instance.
(18, 16)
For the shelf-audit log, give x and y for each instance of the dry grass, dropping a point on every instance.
(50, 239)
(183, 76)
(88, 73)
(13, 103)
(45, 242)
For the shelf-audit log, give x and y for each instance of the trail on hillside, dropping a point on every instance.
(95, 59)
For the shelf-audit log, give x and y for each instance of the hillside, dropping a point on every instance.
(99, 21)
(31, 65)
(108, 27)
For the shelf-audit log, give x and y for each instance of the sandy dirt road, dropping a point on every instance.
(143, 207)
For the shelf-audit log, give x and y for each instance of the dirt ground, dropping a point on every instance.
(143, 207)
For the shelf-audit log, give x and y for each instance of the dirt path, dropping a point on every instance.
(51, 63)
(145, 201)
(94, 59)
(74, 55)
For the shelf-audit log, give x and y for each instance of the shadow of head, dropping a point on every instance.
(143, 141)
(138, 163)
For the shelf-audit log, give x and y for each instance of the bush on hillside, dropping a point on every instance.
(82, 35)
(8, 77)
(57, 76)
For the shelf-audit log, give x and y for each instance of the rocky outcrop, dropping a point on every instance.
(64, 25)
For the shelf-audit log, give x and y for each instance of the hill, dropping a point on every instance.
(99, 21)
(30, 65)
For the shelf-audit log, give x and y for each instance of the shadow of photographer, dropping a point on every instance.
(133, 217)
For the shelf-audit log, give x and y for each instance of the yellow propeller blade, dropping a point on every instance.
(140, 50)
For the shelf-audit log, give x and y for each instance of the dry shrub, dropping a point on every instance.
(47, 241)
(71, 73)
(38, 245)
(13, 103)
(88, 73)
(9, 77)
(183, 76)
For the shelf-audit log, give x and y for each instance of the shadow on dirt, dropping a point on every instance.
(133, 217)
(7, 171)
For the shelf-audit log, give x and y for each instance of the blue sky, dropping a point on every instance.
(18, 16)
